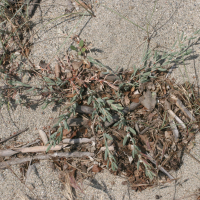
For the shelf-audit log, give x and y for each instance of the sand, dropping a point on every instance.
(117, 43)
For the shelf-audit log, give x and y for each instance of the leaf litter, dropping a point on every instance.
(136, 129)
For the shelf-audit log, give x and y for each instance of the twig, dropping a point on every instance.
(16, 161)
(10, 152)
(7, 165)
(159, 167)
(78, 140)
(82, 4)
(174, 128)
(147, 128)
(14, 135)
(182, 107)
(172, 122)
(192, 156)
(32, 143)
(173, 115)
(38, 149)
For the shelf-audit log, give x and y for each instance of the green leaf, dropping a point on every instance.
(73, 48)
(108, 136)
(73, 99)
(112, 166)
(125, 140)
(182, 36)
(196, 32)
(134, 152)
(115, 165)
(110, 101)
(29, 90)
(81, 43)
(23, 84)
(49, 147)
(106, 154)
(93, 114)
(49, 81)
(46, 103)
(138, 164)
(107, 164)
(61, 118)
(83, 50)
(132, 130)
(79, 53)
(66, 126)
(161, 69)
(89, 100)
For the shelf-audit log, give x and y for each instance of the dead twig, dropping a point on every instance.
(171, 121)
(78, 140)
(173, 98)
(7, 165)
(14, 135)
(159, 167)
(16, 161)
(38, 149)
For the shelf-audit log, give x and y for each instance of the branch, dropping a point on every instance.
(44, 157)
(14, 135)
(182, 107)
(78, 140)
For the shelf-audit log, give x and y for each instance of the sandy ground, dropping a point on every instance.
(117, 43)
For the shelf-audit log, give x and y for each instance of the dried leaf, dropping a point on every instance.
(148, 100)
(190, 146)
(44, 65)
(168, 134)
(126, 100)
(132, 89)
(69, 74)
(57, 70)
(69, 6)
(135, 100)
(66, 132)
(77, 64)
(150, 86)
(73, 134)
(96, 168)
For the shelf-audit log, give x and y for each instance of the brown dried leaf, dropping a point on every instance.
(126, 100)
(150, 86)
(77, 64)
(73, 134)
(190, 146)
(66, 132)
(151, 115)
(57, 70)
(70, 95)
(148, 100)
(132, 89)
(43, 65)
(135, 100)
(69, 5)
(168, 134)
(96, 168)
(69, 74)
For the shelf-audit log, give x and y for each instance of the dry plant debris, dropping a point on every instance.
(136, 123)
(111, 120)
